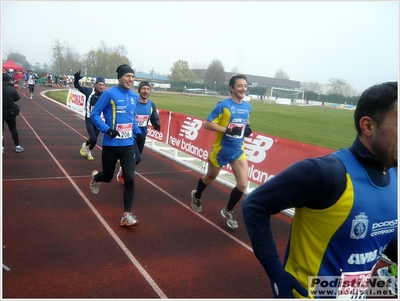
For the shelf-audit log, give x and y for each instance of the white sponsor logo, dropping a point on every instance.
(362, 258)
(190, 128)
(256, 149)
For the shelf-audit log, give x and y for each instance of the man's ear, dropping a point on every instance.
(367, 125)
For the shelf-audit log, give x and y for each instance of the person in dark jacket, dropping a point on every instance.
(10, 95)
(345, 204)
(91, 97)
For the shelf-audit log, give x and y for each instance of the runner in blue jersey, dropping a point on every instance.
(230, 120)
(146, 111)
(120, 129)
(91, 97)
(345, 208)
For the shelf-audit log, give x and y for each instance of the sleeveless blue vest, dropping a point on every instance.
(351, 235)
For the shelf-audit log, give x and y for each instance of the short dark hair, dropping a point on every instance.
(234, 78)
(376, 102)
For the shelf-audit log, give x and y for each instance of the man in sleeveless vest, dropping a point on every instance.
(345, 207)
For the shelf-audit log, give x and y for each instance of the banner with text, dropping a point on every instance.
(267, 155)
(76, 101)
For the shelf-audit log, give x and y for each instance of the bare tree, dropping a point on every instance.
(57, 50)
(72, 60)
(339, 86)
(235, 70)
(311, 86)
(281, 74)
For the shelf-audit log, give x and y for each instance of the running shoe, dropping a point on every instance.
(230, 220)
(89, 155)
(128, 220)
(196, 203)
(94, 186)
(389, 274)
(83, 151)
(19, 149)
(120, 176)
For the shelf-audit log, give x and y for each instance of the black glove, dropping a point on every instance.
(235, 131)
(140, 137)
(112, 133)
(157, 127)
(247, 130)
(77, 76)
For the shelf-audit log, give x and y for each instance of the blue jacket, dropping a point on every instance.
(118, 106)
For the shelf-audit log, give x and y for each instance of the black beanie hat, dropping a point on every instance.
(124, 69)
(100, 80)
(144, 83)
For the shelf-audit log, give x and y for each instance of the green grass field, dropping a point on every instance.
(326, 127)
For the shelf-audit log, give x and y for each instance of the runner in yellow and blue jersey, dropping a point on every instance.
(346, 208)
(230, 120)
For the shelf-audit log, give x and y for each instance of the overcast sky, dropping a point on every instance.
(310, 41)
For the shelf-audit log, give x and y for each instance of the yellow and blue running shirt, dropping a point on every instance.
(351, 235)
(227, 148)
(345, 217)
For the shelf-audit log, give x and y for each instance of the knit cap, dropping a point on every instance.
(100, 80)
(142, 84)
(124, 69)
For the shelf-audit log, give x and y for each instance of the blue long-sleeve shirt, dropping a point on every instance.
(119, 110)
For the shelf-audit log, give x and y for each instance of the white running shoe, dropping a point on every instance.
(128, 220)
(94, 186)
(196, 203)
(89, 155)
(83, 151)
(230, 219)
(19, 149)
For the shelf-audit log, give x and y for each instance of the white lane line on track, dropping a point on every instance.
(128, 253)
(198, 214)
(166, 193)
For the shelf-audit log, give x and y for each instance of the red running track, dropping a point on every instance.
(61, 241)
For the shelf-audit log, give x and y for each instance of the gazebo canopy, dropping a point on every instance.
(11, 65)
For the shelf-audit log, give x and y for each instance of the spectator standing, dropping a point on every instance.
(91, 97)
(230, 120)
(146, 111)
(31, 83)
(118, 105)
(345, 205)
(10, 95)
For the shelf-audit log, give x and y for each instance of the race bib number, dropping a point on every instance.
(142, 120)
(125, 130)
(354, 285)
